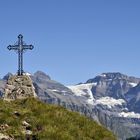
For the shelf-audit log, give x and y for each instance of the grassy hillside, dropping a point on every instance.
(47, 122)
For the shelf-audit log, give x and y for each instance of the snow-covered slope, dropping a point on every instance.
(133, 84)
(110, 102)
(84, 90)
(129, 115)
(109, 90)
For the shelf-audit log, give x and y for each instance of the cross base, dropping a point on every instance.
(20, 72)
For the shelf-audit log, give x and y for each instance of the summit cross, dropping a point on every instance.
(20, 48)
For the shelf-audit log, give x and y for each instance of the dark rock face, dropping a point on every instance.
(134, 138)
(137, 137)
(2, 87)
(133, 98)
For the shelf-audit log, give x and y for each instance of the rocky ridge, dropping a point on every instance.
(18, 87)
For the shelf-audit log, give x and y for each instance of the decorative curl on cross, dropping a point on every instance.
(20, 47)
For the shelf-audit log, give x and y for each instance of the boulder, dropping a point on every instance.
(4, 137)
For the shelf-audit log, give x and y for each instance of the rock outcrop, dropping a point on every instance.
(19, 87)
(4, 137)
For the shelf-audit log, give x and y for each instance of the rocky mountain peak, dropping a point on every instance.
(41, 75)
(107, 76)
(6, 77)
(116, 76)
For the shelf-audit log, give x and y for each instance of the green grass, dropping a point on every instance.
(49, 122)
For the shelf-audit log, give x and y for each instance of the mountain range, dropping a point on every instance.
(111, 99)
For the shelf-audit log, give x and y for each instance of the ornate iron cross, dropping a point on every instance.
(20, 48)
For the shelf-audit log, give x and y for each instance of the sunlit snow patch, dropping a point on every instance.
(27, 74)
(110, 102)
(133, 84)
(129, 115)
(103, 75)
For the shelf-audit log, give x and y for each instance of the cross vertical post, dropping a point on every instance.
(20, 48)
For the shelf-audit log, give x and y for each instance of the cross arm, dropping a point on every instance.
(30, 47)
(12, 47)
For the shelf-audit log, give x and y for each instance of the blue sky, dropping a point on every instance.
(74, 40)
